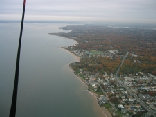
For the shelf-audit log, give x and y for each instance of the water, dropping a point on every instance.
(47, 88)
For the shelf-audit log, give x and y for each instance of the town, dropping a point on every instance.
(123, 95)
(118, 65)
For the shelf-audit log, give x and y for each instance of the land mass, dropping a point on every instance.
(118, 64)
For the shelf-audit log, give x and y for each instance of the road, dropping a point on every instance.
(123, 60)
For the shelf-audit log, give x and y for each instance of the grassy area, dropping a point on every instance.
(81, 75)
(107, 106)
(99, 91)
(96, 52)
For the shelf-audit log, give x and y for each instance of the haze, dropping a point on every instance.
(133, 11)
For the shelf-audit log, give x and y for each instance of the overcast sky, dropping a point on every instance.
(143, 11)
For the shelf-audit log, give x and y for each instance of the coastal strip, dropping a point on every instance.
(115, 66)
(103, 112)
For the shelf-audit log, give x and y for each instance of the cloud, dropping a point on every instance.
(120, 10)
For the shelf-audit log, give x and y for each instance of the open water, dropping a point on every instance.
(47, 88)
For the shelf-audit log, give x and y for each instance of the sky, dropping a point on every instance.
(131, 11)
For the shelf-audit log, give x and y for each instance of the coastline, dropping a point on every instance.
(76, 58)
(100, 63)
(101, 110)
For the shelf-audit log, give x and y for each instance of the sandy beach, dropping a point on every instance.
(101, 110)
(76, 58)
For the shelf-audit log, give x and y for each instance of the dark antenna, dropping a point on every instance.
(14, 95)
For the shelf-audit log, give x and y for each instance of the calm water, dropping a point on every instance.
(46, 87)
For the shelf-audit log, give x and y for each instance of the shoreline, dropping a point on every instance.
(103, 111)
(77, 58)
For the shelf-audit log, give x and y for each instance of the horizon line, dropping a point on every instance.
(84, 22)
